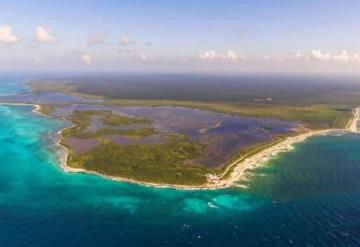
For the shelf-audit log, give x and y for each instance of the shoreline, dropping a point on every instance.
(240, 166)
(36, 106)
(352, 125)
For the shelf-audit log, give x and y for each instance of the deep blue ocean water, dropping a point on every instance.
(306, 197)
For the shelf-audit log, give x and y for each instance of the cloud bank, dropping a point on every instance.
(212, 55)
(318, 55)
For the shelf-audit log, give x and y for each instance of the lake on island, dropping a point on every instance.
(309, 196)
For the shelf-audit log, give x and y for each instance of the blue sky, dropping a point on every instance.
(184, 35)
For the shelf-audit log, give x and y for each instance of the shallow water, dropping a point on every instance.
(12, 84)
(307, 197)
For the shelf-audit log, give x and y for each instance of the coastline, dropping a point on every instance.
(36, 106)
(240, 166)
(352, 125)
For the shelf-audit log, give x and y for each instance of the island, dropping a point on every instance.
(168, 138)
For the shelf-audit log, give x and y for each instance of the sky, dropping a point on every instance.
(187, 35)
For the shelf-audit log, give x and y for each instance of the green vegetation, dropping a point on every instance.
(111, 119)
(53, 85)
(318, 105)
(162, 163)
(82, 120)
(313, 116)
(165, 163)
(138, 132)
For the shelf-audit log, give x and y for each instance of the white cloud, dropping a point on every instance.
(212, 55)
(44, 35)
(345, 56)
(231, 56)
(7, 35)
(208, 55)
(86, 58)
(318, 55)
(125, 40)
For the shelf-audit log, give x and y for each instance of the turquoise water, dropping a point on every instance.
(12, 84)
(309, 196)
